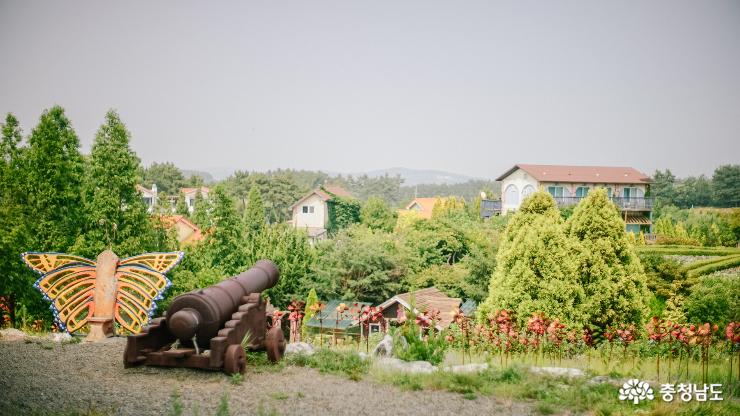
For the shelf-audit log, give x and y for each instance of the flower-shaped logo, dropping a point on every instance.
(636, 391)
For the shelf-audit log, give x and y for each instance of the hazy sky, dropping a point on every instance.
(470, 87)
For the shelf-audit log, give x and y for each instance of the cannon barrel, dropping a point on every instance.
(201, 313)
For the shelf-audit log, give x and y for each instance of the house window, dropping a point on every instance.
(511, 196)
(609, 191)
(308, 209)
(527, 191)
(630, 192)
(582, 191)
(191, 202)
(555, 191)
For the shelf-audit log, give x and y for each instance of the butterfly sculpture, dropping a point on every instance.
(83, 291)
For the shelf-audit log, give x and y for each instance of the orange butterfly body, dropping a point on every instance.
(72, 283)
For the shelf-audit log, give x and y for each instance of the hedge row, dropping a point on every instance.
(688, 250)
(707, 262)
(716, 266)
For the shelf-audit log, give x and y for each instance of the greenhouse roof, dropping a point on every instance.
(329, 315)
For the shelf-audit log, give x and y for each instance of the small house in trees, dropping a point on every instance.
(311, 212)
(422, 206)
(187, 232)
(627, 187)
(149, 196)
(424, 301)
(190, 194)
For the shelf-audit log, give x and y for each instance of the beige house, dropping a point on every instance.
(311, 212)
(627, 187)
(149, 196)
(190, 194)
(187, 232)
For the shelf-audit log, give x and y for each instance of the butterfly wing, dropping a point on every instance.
(141, 282)
(68, 282)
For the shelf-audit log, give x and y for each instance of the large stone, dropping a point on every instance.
(59, 337)
(467, 368)
(12, 334)
(384, 347)
(413, 367)
(558, 371)
(299, 348)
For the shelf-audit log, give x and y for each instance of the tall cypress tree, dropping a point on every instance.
(115, 215)
(52, 183)
(12, 283)
(609, 269)
(202, 211)
(254, 215)
(535, 272)
(224, 244)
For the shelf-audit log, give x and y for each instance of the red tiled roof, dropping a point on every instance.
(427, 299)
(580, 174)
(326, 193)
(203, 190)
(426, 204)
(171, 220)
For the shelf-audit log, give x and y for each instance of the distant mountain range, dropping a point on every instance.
(411, 177)
(414, 177)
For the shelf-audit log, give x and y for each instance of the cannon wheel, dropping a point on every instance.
(275, 344)
(235, 361)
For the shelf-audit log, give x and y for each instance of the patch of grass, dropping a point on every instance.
(236, 379)
(176, 406)
(347, 363)
(544, 409)
(300, 395)
(261, 411)
(223, 406)
(279, 396)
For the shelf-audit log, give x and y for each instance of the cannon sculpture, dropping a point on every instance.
(205, 328)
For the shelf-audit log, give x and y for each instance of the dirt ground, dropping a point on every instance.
(51, 378)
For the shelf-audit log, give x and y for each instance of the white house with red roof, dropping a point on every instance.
(311, 212)
(150, 196)
(626, 186)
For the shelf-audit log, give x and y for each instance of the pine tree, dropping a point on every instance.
(115, 215)
(224, 243)
(311, 300)
(182, 206)
(376, 215)
(13, 283)
(202, 211)
(254, 215)
(53, 179)
(535, 270)
(610, 271)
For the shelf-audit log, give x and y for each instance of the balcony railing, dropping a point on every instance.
(489, 208)
(623, 203)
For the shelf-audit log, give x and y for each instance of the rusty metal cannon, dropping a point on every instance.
(205, 328)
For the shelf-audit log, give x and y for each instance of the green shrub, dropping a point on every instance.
(715, 300)
(347, 363)
(432, 348)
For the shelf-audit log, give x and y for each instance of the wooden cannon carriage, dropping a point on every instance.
(205, 328)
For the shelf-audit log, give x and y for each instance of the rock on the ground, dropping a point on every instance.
(59, 337)
(559, 371)
(384, 347)
(414, 367)
(363, 356)
(467, 368)
(299, 348)
(12, 334)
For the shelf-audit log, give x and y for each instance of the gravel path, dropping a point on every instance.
(50, 378)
